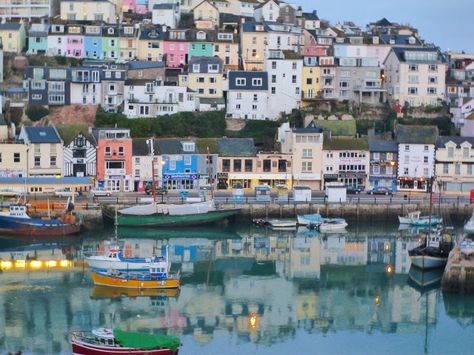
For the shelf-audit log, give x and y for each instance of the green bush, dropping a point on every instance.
(36, 112)
(61, 60)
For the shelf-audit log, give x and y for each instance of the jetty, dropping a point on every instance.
(458, 276)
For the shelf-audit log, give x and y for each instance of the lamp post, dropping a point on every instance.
(152, 154)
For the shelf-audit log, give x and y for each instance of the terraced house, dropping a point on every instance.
(205, 77)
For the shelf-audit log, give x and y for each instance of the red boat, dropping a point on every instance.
(106, 341)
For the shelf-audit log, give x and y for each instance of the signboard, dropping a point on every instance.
(180, 176)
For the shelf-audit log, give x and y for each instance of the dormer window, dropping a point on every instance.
(213, 68)
(201, 35)
(256, 82)
(128, 30)
(196, 68)
(188, 147)
(240, 82)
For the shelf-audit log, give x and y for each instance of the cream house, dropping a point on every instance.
(455, 163)
(205, 77)
(13, 160)
(205, 15)
(416, 76)
(306, 146)
(107, 11)
(254, 43)
(45, 151)
(12, 37)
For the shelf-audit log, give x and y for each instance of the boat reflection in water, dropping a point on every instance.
(252, 288)
(106, 292)
(425, 280)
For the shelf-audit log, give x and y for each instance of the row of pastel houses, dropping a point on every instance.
(417, 159)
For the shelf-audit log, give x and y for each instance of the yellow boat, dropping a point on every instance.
(99, 292)
(131, 281)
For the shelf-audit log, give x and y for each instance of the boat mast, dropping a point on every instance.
(209, 172)
(152, 153)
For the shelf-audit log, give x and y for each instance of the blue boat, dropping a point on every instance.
(17, 221)
(316, 220)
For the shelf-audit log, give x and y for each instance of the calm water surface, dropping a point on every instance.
(245, 290)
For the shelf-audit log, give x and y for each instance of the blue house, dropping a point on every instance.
(184, 167)
(38, 38)
(93, 42)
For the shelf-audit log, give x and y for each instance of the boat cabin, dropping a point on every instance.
(104, 336)
(159, 270)
(114, 253)
(19, 211)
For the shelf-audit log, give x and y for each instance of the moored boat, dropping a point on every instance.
(415, 219)
(157, 278)
(467, 247)
(114, 260)
(469, 226)
(335, 225)
(17, 221)
(433, 252)
(282, 223)
(316, 219)
(105, 341)
(168, 215)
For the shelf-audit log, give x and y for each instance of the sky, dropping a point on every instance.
(447, 23)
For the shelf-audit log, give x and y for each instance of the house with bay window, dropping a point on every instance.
(80, 159)
(416, 157)
(114, 158)
(47, 85)
(383, 164)
(455, 163)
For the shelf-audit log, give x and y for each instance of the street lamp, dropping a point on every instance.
(149, 142)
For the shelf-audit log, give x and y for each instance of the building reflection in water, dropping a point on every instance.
(259, 284)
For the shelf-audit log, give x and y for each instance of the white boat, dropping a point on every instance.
(282, 223)
(333, 226)
(415, 219)
(315, 220)
(114, 260)
(469, 226)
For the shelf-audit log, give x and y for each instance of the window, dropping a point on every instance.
(213, 68)
(426, 148)
(212, 91)
(469, 169)
(405, 171)
(187, 159)
(307, 166)
(274, 65)
(425, 171)
(465, 152)
(257, 82)
(293, 65)
(413, 67)
(407, 148)
(52, 161)
(273, 90)
(37, 162)
(433, 80)
(376, 170)
(445, 168)
(425, 159)
(196, 68)
(188, 147)
(108, 151)
(293, 79)
(431, 91)
(226, 165)
(433, 68)
(412, 91)
(307, 153)
(248, 165)
(254, 107)
(240, 82)
(237, 165)
(16, 157)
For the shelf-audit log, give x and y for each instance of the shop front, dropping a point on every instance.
(250, 181)
(413, 184)
(352, 179)
(181, 181)
(390, 182)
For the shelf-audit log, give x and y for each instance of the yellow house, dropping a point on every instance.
(108, 11)
(253, 41)
(45, 151)
(310, 85)
(226, 49)
(150, 44)
(205, 77)
(205, 15)
(128, 43)
(12, 37)
(13, 162)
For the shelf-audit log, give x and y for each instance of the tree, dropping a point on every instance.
(36, 112)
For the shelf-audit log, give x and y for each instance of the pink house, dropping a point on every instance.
(314, 48)
(74, 46)
(129, 5)
(176, 48)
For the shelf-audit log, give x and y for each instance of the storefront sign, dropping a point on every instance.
(180, 176)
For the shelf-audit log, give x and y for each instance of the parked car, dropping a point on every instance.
(380, 190)
(66, 192)
(355, 189)
(100, 191)
(159, 190)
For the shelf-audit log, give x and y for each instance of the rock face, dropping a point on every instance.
(73, 114)
(235, 124)
(20, 62)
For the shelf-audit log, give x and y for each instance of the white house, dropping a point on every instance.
(416, 156)
(80, 156)
(247, 7)
(267, 11)
(86, 86)
(142, 165)
(284, 76)
(56, 41)
(248, 95)
(416, 76)
(166, 14)
(148, 98)
(285, 37)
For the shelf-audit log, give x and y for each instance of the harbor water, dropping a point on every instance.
(245, 290)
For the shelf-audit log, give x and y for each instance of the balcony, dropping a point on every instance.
(114, 172)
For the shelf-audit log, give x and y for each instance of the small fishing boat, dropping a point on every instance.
(316, 220)
(16, 221)
(433, 252)
(114, 260)
(467, 247)
(469, 226)
(335, 225)
(415, 219)
(106, 341)
(282, 223)
(157, 278)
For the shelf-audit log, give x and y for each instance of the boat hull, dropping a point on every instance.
(108, 292)
(36, 227)
(331, 228)
(419, 223)
(426, 262)
(161, 220)
(279, 223)
(98, 264)
(80, 348)
(108, 280)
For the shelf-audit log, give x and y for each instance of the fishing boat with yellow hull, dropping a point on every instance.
(133, 281)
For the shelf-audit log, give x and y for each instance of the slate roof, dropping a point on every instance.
(38, 30)
(172, 145)
(266, 2)
(69, 132)
(400, 53)
(398, 39)
(142, 64)
(236, 147)
(442, 140)
(416, 134)
(345, 144)
(140, 147)
(248, 76)
(383, 23)
(378, 145)
(250, 27)
(42, 135)
(203, 64)
(152, 33)
(311, 16)
(10, 26)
